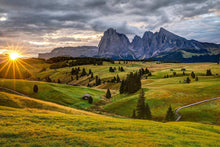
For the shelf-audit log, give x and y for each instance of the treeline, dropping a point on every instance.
(60, 59)
(60, 62)
(138, 60)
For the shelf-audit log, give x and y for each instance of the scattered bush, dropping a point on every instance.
(35, 88)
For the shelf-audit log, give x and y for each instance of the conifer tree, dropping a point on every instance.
(90, 71)
(122, 87)
(91, 75)
(108, 94)
(35, 88)
(118, 79)
(141, 105)
(197, 79)
(188, 80)
(83, 72)
(146, 70)
(170, 116)
(193, 75)
(58, 81)
(77, 77)
(208, 72)
(90, 100)
(134, 114)
(148, 112)
(184, 74)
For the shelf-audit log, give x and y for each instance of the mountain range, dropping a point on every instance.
(162, 45)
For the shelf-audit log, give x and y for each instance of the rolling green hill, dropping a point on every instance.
(29, 122)
(58, 93)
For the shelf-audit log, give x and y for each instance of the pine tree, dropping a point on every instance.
(58, 81)
(90, 71)
(197, 79)
(170, 116)
(184, 74)
(134, 114)
(188, 80)
(91, 75)
(146, 70)
(208, 72)
(122, 87)
(148, 112)
(118, 79)
(77, 77)
(193, 75)
(90, 100)
(108, 94)
(35, 88)
(141, 105)
(83, 72)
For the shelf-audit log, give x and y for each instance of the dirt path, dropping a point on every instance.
(177, 110)
(13, 91)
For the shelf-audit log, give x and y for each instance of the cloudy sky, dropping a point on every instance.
(41, 25)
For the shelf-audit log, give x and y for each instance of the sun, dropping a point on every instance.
(14, 56)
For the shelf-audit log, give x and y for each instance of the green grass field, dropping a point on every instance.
(160, 92)
(50, 117)
(58, 93)
(30, 122)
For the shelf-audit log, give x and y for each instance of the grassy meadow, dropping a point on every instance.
(160, 92)
(55, 116)
(30, 122)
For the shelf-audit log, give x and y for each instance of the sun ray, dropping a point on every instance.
(26, 63)
(25, 68)
(19, 72)
(7, 70)
(5, 64)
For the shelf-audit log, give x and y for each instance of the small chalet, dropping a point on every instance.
(86, 96)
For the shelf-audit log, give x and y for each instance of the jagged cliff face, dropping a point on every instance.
(80, 51)
(113, 44)
(151, 44)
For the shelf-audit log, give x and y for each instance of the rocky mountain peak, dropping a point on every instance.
(110, 31)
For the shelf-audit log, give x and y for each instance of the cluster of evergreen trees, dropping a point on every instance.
(144, 71)
(75, 71)
(121, 69)
(143, 110)
(115, 80)
(97, 81)
(113, 69)
(132, 83)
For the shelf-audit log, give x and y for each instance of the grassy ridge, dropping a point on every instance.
(49, 128)
(57, 93)
(17, 101)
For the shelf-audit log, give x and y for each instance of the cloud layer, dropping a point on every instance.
(41, 25)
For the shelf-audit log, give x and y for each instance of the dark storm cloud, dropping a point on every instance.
(36, 18)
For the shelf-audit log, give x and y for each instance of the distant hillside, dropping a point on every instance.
(80, 51)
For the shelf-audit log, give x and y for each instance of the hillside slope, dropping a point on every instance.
(35, 126)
